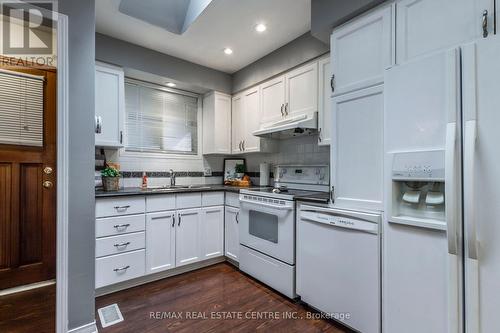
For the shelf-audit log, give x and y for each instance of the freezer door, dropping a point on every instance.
(481, 102)
(422, 263)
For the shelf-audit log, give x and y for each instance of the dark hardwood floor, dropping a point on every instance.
(219, 290)
(29, 311)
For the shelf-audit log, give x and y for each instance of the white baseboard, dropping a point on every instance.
(87, 328)
(158, 276)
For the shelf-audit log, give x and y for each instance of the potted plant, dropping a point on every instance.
(110, 178)
(239, 169)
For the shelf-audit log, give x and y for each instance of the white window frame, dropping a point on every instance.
(129, 155)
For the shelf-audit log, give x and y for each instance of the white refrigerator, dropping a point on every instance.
(441, 234)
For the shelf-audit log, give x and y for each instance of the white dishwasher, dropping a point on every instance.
(338, 265)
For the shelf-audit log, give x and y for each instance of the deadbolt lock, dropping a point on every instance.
(48, 170)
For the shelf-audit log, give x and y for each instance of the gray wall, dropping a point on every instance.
(121, 53)
(288, 56)
(327, 14)
(81, 17)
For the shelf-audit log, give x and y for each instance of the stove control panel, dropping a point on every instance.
(302, 174)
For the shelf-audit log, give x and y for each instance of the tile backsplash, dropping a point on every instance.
(189, 170)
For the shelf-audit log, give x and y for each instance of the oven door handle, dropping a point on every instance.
(265, 206)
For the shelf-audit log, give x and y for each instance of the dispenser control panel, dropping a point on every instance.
(419, 166)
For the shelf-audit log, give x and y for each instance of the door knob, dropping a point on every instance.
(48, 170)
(47, 184)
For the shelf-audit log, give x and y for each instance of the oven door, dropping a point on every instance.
(267, 225)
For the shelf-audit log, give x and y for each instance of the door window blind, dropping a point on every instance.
(21, 109)
(160, 121)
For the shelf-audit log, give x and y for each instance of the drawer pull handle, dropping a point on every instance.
(122, 268)
(121, 227)
(122, 244)
(122, 208)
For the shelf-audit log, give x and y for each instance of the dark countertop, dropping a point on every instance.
(317, 197)
(198, 188)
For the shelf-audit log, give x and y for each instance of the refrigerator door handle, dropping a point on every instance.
(450, 188)
(470, 150)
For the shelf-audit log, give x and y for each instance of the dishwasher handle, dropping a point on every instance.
(340, 221)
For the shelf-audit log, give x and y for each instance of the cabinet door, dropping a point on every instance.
(109, 106)
(160, 241)
(302, 90)
(222, 125)
(273, 100)
(232, 238)
(213, 232)
(236, 128)
(361, 50)
(187, 237)
(357, 149)
(425, 26)
(324, 101)
(252, 116)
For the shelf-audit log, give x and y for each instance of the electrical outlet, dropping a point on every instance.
(208, 171)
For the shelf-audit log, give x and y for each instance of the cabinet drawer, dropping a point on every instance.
(112, 226)
(119, 206)
(118, 268)
(188, 200)
(233, 199)
(119, 244)
(212, 199)
(160, 202)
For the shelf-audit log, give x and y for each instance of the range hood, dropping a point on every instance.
(306, 124)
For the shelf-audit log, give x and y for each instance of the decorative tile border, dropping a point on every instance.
(166, 174)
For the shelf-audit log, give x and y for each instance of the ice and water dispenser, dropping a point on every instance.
(418, 186)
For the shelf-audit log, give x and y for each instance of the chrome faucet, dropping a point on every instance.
(172, 177)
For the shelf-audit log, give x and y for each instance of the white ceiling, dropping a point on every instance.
(224, 23)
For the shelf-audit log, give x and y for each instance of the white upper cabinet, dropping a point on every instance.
(232, 239)
(246, 119)
(273, 100)
(237, 124)
(324, 101)
(425, 26)
(160, 240)
(188, 237)
(216, 123)
(301, 90)
(251, 102)
(357, 149)
(213, 232)
(362, 49)
(109, 106)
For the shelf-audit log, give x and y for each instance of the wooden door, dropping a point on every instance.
(27, 207)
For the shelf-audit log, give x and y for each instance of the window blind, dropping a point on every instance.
(21, 109)
(160, 121)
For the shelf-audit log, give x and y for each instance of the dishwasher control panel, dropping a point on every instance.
(339, 220)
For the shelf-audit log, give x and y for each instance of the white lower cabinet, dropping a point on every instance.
(231, 232)
(188, 237)
(160, 240)
(119, 268)
(212, 232)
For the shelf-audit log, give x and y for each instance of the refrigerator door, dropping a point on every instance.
(422, 261)
(481, 104)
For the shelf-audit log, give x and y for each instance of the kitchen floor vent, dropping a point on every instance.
(110, 315)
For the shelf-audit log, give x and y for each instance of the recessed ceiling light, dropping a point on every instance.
(261, 27)
(228, 51)
(171, 84)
